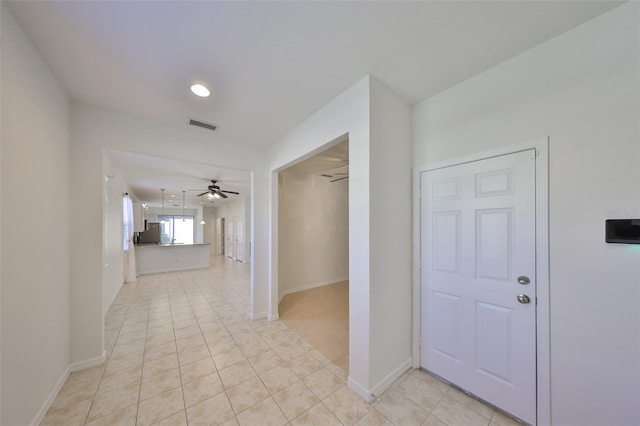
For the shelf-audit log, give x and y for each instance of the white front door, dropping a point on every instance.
(478, 283)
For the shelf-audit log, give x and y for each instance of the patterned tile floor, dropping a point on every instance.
(182, 352)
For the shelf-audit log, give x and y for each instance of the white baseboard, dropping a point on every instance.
(77, 366)
(52, 396)
(256, 316)
(82, 365)
(359, 390)
(311, 286)
(263, 315)
(390, 378)
(371, 394)
(273, 317)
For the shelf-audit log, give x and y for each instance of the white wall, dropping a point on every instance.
(154, 212)
(582, 90)
(35, 243)
(230, 207)
(1, 138)
(390, 235)
(209, 228)
(113, 252)
(313, 245)
(199, 232)
(87, 259)
(260, 251)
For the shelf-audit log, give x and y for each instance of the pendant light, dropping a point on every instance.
(202, 222)
(183, 206)
(162, 204)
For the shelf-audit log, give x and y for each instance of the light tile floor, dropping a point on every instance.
(182, 351)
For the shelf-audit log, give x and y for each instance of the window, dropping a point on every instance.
(176, 229)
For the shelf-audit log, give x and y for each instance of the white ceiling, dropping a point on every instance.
(270, 65)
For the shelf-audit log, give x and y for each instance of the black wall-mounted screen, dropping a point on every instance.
(624, 231)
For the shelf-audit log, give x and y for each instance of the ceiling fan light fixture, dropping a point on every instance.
(200, 90)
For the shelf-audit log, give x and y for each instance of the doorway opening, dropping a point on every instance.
(313, 251)
(230, 231)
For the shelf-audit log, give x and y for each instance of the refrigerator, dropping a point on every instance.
(151, 235)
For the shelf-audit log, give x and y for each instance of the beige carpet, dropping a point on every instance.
(321, 317)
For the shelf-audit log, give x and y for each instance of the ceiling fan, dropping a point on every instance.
(334, 175)
(215, 192)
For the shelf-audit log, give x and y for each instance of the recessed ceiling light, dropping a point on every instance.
(200, 90)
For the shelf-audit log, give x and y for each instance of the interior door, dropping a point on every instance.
(240, 238)
(228, 244)
(478, 284)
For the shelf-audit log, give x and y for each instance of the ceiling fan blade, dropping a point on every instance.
(231, 192)
(338, 168)
(204, 193)
(221, 194)
(335, 180)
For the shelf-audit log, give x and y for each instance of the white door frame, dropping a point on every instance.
(239, 243)
(543, 378)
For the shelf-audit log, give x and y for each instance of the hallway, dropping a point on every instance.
(181, 351)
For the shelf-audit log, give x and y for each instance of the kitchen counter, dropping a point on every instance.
(154, 258)
(169, 245)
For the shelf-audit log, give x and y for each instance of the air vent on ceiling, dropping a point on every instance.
(202, 124)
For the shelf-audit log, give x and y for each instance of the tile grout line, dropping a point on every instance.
(194, 300)
(106, 364)
(144, 353)
(175, 339)
(217, 372)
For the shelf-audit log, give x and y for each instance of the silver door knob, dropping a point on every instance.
(523, 280)
(524, 299)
